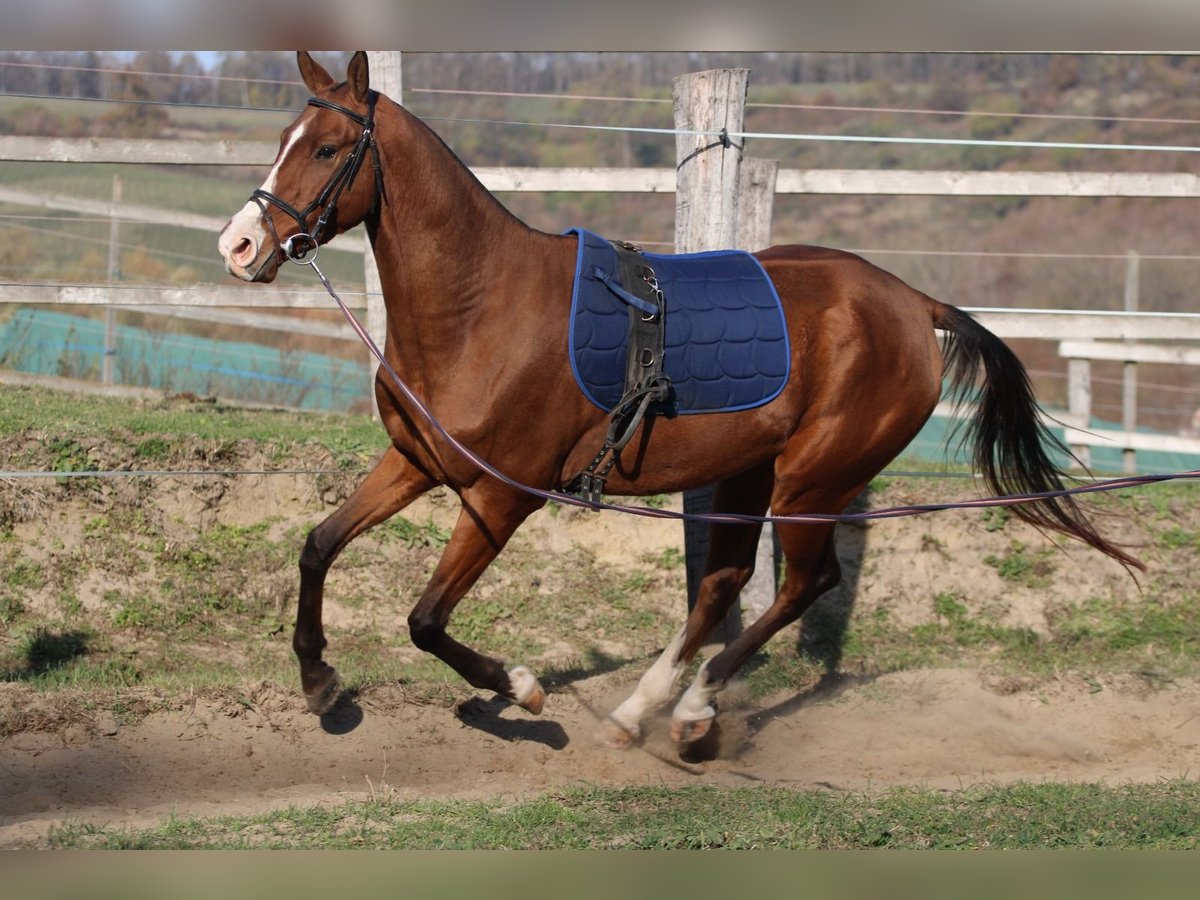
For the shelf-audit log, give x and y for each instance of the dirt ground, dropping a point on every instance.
(943, 728)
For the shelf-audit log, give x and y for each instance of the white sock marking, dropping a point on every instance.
(654, 688)
(695, 704)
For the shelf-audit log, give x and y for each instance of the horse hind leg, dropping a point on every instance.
(391, 485)
(728, 568)
(812, 569)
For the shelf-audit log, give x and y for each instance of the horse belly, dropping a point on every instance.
(688, 451)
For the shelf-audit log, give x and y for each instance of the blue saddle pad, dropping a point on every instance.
(726, 343)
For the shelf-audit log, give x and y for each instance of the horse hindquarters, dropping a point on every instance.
(869, 377)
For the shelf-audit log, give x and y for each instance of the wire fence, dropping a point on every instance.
(84, 355)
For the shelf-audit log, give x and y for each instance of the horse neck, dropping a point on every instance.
(441, 238)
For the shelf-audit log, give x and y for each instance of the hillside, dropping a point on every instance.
(974, 252)
(147, 670)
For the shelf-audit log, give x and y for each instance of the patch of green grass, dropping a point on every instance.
(154, 423)
(153, 449)
(477, 620)
(1163, 635)
(11, 609)
(670, 558)
(958, 627)
(1016, 816)
(778, 669)
(43, 649)
(1177, 538)
(995, 518)
(25, 574)
(1022, 566)
(52, 659)
(413, 534)
(140, 611)
(1104, 634)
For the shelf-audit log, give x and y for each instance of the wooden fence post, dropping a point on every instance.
(114, 272)
(1129, 368)
(707, 180)
(384, 66)
(756, 205)
(1079, 403)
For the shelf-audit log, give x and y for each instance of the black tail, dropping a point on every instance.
(1008, 440)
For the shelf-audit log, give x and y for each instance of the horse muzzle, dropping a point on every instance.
(249, 252)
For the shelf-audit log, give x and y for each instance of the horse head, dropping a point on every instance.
(312, 192)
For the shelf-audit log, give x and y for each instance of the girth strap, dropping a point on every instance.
(645, 381)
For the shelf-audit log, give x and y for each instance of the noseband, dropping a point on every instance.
(299, 245)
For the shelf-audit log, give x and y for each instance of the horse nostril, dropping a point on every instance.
(243, 251)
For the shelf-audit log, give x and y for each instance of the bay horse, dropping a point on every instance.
(477, 325)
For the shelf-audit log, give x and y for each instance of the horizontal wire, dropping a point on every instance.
(822, 107)
(1135, 314)
(833, 138)
(21, 95)
(103, 70)
(1022, 254)
(182, 473)
(757, 135)
(149, 288)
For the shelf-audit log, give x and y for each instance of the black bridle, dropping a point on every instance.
(299, 245)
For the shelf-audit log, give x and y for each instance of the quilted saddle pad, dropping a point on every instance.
(726, 343)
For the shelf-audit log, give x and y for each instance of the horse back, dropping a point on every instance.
(822, 281)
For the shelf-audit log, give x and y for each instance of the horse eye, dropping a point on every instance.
(326, 152)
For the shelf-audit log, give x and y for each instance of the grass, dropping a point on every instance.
(1015, 816)
(1020, 565)
(73, 423)
(139, 608)
(217, 603)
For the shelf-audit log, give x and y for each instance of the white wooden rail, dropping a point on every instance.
(633, 179)
(205, 301)
(1082, 438)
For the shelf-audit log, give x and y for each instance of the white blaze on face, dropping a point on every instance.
(242, 240)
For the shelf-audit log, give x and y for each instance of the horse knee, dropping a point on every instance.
(317, 555)
(424, 630)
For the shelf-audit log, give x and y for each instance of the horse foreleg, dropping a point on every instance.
(488, 519)
(392, 484)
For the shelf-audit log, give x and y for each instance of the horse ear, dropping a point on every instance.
(358, 76)
(314, 76)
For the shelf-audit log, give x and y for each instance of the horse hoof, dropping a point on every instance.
(527, 690)
(535, 702)
(688, 732)
(616, 736)
(323, 697)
